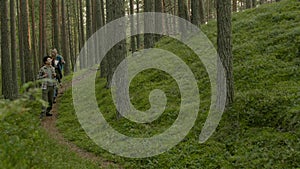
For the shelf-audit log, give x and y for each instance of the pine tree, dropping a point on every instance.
(224, 41)
(149, 23)
(14, 83)
(29, 75)
(5, 56)
(65, 49)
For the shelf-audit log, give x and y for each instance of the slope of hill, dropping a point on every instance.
(261, 129)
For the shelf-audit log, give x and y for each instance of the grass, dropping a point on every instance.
(24, 144)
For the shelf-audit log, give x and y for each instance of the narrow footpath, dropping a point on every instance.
(49, 124)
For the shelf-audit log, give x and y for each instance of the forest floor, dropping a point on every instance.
(49, 124)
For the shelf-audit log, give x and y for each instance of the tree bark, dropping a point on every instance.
(34, 54)
(138, 42)
(21, 51)
(234, 5)
(65, 49)
(195, 12)
(26, 41)
(132, 27)
(202, 12)
(115, 9)
(158, 20)
(15, 90)
(100, 23)
(88, 28)
(148, 23)
(224, 41)
(182, 10)
(182, 13)
(82, 40)
(42, 31)
(5, 56)
(44, 45)
(69, 32)
(254, 3)
(248, 4)
(55, 25)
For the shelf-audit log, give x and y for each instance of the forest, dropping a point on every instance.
(150, 84)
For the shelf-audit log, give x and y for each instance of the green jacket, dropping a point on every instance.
(50, 80)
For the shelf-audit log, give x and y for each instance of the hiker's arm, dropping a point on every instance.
(62, 60)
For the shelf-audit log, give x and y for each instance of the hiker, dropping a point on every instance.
(57, 63)
(47, 75)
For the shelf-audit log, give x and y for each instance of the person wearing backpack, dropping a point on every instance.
(47, 75)
(57, 63)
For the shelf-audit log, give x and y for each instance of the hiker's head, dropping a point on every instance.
(47, 60)
(54, 52)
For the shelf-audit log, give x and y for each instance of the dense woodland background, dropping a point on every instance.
(29, 29)
(258, 42)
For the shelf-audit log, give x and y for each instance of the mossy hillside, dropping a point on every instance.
(261, 129)
(24, 144)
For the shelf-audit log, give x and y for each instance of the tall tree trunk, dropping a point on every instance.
(88, 28)
(195, 12)
(115, 9)
(44, 46)
(248, 4)
(15, 90)
(148, 23)
(182, 13)
(76, 32)
(26, 41)
(225, 45)
(118, 52)
(166, 18)
(82, 40)
(158, 19)
(41, 54)
(189, 9)
(5, 56)
(42, 30)
(138, 41)
(65, 49)
(77, 12)
(95, 23)
(55, 25)
(234, 5)
(99, 14)
(100, 23)
(103, 14)
(182, 9)
(21, 51)
(69, 32)
(34, 54)
(254, 3)
(132, 27)
(202, 12)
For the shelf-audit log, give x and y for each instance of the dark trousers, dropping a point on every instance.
(47, 96)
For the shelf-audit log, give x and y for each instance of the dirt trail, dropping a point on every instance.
(49, 124)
